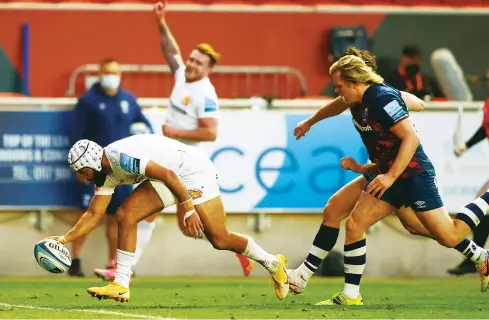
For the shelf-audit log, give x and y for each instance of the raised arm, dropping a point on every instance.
(168, 45)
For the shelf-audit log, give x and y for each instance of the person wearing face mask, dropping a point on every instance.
(409, 77)
(104, 114)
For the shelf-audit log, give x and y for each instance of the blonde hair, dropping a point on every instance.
(207, 49)
(366, 56)
(354, 69)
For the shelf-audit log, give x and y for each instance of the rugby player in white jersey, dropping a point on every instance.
(193, 107)
(168, 172)
(192, 114)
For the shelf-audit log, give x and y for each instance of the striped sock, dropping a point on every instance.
(472, 251)
(474, 211)
(323, 243)
(355, 259)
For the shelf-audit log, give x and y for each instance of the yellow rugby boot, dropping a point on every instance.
(483, 268)
(341, 299)
(280, 279)
(113, 291)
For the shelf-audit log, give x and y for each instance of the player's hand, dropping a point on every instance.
(380, 184)
(460, 150)
(301, 129)
(159, 10)
(60, 239)
(348, 163)
(169, 131)
(189, 221)
(194, 226)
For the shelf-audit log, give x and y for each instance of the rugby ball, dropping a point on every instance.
(52, 256)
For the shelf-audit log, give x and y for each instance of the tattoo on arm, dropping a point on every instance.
(169, 47)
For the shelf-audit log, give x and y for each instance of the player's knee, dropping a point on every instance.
(220, 242)
(352, 226)
(125, 218)
(411, 229)
(333, 212)
(447, 240)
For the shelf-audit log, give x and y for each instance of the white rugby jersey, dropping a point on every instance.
(191, 101)
(129, 157)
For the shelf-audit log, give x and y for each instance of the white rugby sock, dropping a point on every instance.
(145, 231)
(258, 254)
(472, 251)
(354, 260)
(125, 261)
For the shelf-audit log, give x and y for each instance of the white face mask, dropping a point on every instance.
(110, 81)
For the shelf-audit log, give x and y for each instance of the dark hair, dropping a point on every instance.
(412, 51)
(365, 55)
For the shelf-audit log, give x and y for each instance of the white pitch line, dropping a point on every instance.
(114, 313)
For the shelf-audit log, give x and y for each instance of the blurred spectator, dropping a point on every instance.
(482, 132)
(408, 76)
(481, 233)
(104, 114)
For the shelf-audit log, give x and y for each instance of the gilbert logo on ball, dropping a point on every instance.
(52, 256)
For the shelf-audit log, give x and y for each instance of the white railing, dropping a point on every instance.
(252, 103)
(252, 8)
(247, 71)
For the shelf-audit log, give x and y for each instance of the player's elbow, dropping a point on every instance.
(416, 140)
(95, 215)
(210, 134)
(412, 139)
(169, 176)
(418, 106)
(421, 105)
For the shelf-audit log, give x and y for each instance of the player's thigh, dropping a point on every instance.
(151, 218)
(204, 190)
(144, 201)
(341, 204)
(411, 222)
(121, 193)
(428, 206)
(367, 211)
(213, 217)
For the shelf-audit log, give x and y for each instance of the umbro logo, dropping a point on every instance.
(420, 204)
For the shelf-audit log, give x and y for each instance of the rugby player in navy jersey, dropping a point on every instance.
(400, 175)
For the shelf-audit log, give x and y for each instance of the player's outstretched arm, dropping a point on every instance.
(168, 45)
(331, 109)
(90, 219)
(412, 102)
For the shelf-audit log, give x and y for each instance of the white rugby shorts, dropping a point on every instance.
(201, 183)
